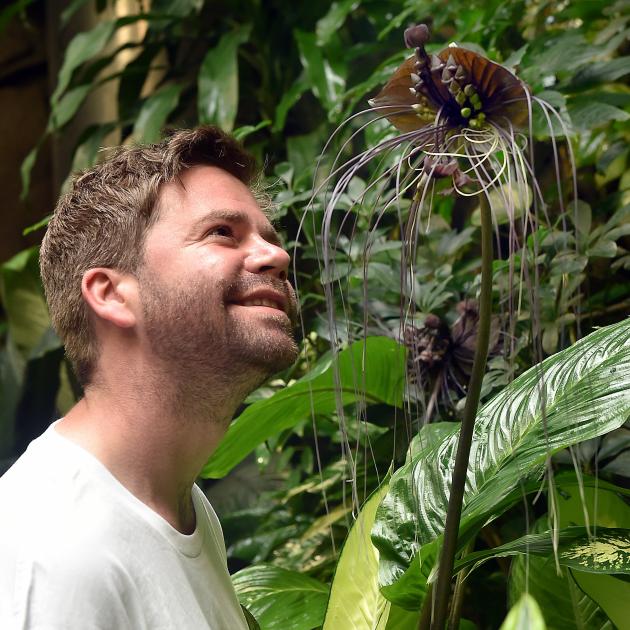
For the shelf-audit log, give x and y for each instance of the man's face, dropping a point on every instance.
(213, 284)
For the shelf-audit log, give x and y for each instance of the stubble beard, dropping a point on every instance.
(202, 343)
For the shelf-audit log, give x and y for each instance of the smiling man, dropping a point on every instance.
(168, 285)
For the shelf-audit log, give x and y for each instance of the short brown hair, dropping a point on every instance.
(103, 219)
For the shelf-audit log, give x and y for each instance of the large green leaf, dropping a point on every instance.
(217, 99)
(564, 605)
(609, 593)
(355, 601)
(603, 507)
(80, 49)
(524, 615)
(566, 598)
(280, 599)
(606, 551)
(372, 372)
(577, 394)
(410, 587)
(155, 111)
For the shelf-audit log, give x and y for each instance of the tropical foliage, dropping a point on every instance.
(348, 456)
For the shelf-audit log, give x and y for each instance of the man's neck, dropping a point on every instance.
(153, 443)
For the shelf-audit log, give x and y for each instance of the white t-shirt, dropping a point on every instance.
(78, 551)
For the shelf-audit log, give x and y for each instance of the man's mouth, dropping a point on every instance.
(267, 298)
(261, 302)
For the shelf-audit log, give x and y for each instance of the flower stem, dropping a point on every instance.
(453, 514)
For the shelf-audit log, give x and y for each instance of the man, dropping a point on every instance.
(168, 285)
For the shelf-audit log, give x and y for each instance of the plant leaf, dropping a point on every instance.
(7, 14)
(601, 72)
(154, 113)
(246, 130)
(80, 49)
(565, 606)
(608, 551)
(273, 595)
(577, 394)
(91, 143)
(407, 588)
(355, 602)
(23, 300)
(373, 372)
(325, 83)
(217, 100)
(289, 99)
(610, 593)
(26, 168)
(525, 615)
(587, 114)
(328, 25)
(66, 107)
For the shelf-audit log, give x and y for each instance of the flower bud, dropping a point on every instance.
(417, 36)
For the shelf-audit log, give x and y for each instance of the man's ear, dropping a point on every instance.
(111, 295)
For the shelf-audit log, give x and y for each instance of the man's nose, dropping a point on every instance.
(268, 258)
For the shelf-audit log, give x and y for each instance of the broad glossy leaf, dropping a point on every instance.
(280, 599)
(407, 589)
(604, 507)
(608, 592)
(373, 373)
(577, 394)
(606, 551)
(155, 112)
(83, 47)
(355, 602)
(524, 615)
(217, 98)
(564, 605)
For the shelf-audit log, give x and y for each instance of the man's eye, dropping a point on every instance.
(221, 230)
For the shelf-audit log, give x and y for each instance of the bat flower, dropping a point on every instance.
(458, 116)
(462, 112)
(441, 357)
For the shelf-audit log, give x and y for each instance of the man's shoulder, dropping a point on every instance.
(53, 500)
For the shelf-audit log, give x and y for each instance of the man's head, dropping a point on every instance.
(167, 240)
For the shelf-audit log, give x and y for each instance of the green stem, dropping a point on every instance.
(453, 514)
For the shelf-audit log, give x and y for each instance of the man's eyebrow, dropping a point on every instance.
(267, 231)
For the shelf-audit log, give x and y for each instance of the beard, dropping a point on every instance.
(202, 338)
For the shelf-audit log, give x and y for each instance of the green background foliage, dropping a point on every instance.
(284, 76)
